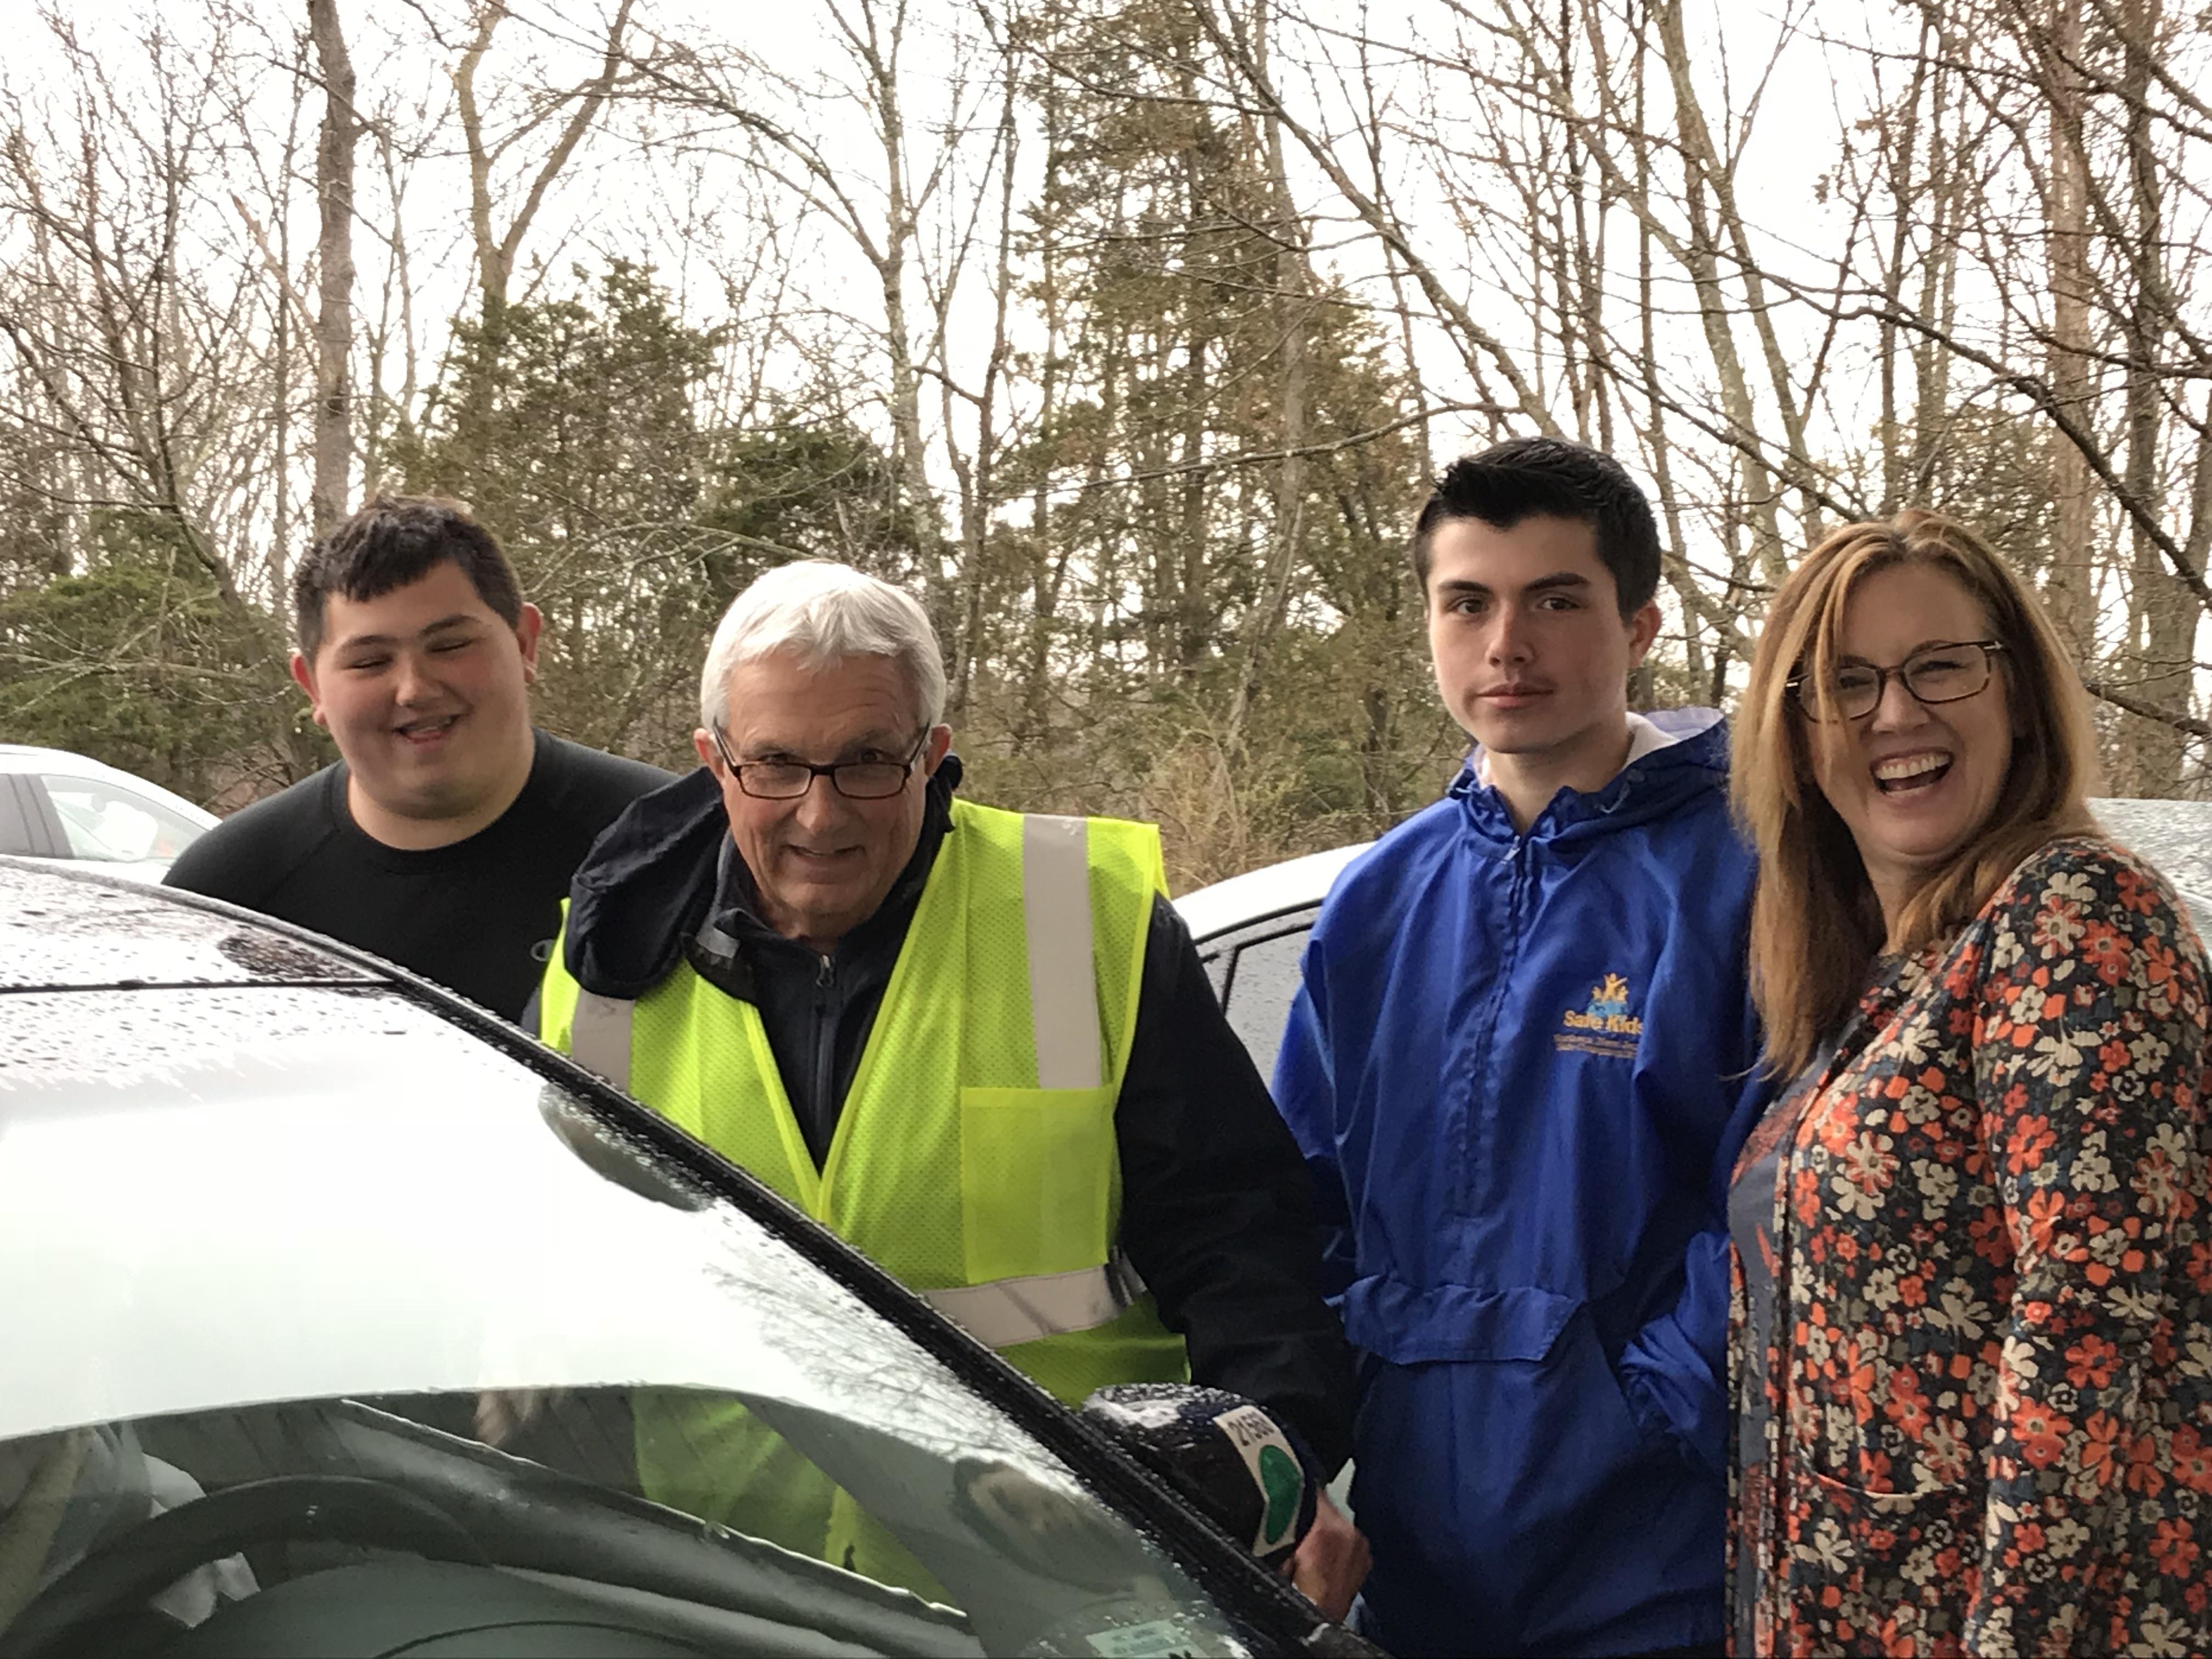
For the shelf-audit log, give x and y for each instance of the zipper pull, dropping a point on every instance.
(823, 973)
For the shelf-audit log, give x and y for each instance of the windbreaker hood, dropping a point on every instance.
(1651, 785)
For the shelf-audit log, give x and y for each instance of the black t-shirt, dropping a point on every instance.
(476, 916)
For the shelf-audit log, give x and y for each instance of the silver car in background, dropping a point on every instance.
(64, 808)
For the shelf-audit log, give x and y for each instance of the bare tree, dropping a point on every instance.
(881, 207)
(334, 158)
(498, 247)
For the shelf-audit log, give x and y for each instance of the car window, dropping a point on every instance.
(1255, 972)
(1262, 984)
(115, 825)
(340, 1279)
(17, 826)
(1216, 970)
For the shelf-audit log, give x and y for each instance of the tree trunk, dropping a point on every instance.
(2164, 613)
(334, 155)
(1899, 150)
(1293, 314)
(497, 251)
(2067, 592)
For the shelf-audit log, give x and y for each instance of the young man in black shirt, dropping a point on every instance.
(445, 835)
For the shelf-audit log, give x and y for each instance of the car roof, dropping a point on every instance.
(2176, 835)
(1267, 891)
(65, 928)
(20, 756)
(30, 757)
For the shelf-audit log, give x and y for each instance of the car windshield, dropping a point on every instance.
(322, 1313)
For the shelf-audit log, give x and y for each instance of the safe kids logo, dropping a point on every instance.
(1605, 1026)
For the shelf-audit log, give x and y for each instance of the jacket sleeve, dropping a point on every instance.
(1215, 1209)
(1673, 1370)
(2089, 1043)
(1305, 1094)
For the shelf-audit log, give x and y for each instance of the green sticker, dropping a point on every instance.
(1283, 1481)
(1259, 1441)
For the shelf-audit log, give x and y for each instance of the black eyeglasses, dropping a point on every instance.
(1946, 672)
(787, 780)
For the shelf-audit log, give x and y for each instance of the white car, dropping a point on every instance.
(55, 806)
(1251, 929)
(341, 1318)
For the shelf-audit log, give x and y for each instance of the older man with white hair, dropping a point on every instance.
(978, 1045)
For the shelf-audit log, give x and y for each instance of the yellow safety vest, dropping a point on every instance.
(975, 1158)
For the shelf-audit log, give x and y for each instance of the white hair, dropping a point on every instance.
(823, 613)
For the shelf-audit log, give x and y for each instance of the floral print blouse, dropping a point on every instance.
(1987, 1392)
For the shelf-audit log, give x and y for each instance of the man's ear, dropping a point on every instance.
(529, 625)
(704, 743)
(303, 676)
(933, 751)
(1643, 629)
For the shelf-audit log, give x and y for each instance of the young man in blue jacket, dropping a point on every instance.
(1520, 1067)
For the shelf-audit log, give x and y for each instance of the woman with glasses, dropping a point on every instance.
(1971, 1346)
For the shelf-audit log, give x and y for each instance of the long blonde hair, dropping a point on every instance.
(1816, 927)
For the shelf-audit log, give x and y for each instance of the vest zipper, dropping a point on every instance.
(825, 1054)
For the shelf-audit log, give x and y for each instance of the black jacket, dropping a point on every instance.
(1216, 1213)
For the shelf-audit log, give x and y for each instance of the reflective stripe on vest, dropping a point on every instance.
(1063, 981)
(1008, 1311)
(598, 1040)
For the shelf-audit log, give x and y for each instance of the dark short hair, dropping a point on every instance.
(1549, 478)
(393, 541)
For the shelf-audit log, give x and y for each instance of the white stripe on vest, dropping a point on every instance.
(1063, 983)
(1006, 1311)
(599, 1036)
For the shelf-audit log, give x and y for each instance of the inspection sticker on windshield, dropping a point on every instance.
(1275, 1471)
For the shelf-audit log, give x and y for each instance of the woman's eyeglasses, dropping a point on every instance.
(1940, 673)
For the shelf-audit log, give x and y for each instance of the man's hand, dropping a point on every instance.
(1331, 1562)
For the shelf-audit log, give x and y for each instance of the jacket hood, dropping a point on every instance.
(1691, 757)
(649, 881)
(644, 887)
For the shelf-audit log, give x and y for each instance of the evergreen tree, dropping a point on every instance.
(1235, 642)
(138, 661)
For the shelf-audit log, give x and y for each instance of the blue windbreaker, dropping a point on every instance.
(1520, 1067)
